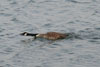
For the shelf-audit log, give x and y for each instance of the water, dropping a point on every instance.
(80, 17)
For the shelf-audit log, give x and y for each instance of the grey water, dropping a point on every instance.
(79, 17)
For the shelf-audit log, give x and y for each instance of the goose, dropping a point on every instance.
(48, 35)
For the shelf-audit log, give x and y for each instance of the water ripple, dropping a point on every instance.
(73, 17)
(5, 14)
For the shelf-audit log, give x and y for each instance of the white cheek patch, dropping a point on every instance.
(25, 34)
(37, 35)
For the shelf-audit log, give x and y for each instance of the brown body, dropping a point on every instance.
(48, 35)
(52, 35)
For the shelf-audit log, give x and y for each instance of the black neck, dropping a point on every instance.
(31, 34)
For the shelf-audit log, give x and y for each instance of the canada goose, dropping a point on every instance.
(48, 35)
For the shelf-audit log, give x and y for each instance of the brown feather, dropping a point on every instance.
(54, 35)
